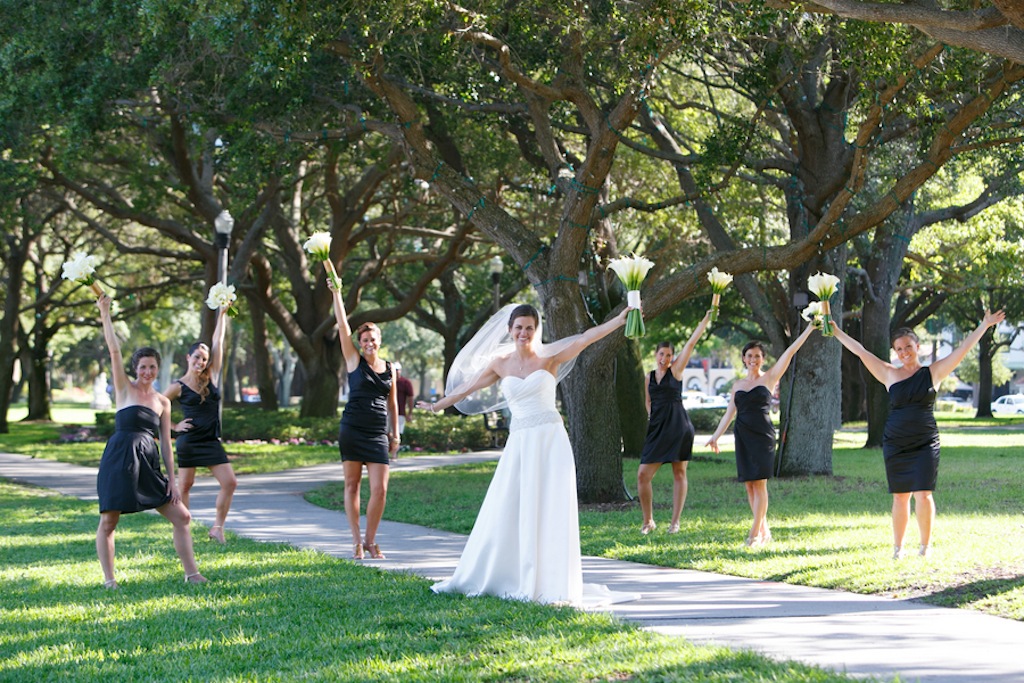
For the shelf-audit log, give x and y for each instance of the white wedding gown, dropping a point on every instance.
(525, 544)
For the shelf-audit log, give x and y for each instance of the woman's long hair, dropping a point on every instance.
(204, 376)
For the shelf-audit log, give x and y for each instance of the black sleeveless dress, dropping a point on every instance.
(363, 433)
(755, 434)
(910, 442)
(200, 446)
(669, 432)
(130, 479)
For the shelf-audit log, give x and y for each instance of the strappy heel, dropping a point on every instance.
(648, 528)
(111, 584)
(357, 551)
(195, 578)
(375, 552)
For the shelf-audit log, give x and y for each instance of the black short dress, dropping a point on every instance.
(755, 434)
(200, 446)
(363, 434)
(910, 442)
(130, 479)
(669, 431)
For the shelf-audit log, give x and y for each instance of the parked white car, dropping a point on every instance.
(1012, 404)
(698, 399)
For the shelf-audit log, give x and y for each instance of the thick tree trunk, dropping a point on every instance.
(629, 392)
(263, 361)
(38, 384)
(810, 397)
(592, 419)
(10, 325)
(320, 398)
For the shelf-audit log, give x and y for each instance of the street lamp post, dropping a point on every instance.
(222, 225)
(497, 267)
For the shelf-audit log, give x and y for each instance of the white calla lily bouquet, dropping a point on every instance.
(319, 247)
(824, 285)
(719, 282)
(82, 268)
(631, 271)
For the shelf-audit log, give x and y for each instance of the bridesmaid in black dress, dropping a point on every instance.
(754, 432)
(910, 442)
(669, 430)
(199, 441)
(129, 478)
(368, 433)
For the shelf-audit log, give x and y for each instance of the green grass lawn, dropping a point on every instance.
(832, 532)
(274, 613)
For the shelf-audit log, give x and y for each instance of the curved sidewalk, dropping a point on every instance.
(861, 635)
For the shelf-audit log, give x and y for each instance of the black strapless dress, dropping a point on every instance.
(755, 434)
(130, 479)
(363, 433)
(669, 432)
(910, 442)
(200, 446)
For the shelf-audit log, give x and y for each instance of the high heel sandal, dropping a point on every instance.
(212, 536)
(673, 528)
(925, 550)
(111, 584)
(375, 553)
(648, 527)
(897, 552)
(357, 551)
(195, 578)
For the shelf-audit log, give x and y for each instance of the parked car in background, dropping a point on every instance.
(698, 399)
(1012, 404)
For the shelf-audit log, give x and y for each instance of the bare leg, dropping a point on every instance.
(353, 472)
(924, 508)
(180, 518)
(378, 475)
(757, 495)
(900, 518)
(679, 488)
(105, 545)
(644, 477)
(225, 476)
(186, 478)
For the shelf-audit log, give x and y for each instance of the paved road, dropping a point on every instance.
(861, 635)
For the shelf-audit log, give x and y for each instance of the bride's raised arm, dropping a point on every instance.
(573, 346)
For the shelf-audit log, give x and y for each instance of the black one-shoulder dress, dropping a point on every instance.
(200, 446)
(755, 434)
(910, 442)
(130, 479)
(363, 432)
(669, 431)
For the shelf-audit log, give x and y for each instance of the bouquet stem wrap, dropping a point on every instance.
(715, 299)
(826, 319)
(635, 327)
(332, 273)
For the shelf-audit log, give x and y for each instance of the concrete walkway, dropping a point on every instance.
(860, 635)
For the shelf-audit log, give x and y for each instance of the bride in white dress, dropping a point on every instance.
(525, 544)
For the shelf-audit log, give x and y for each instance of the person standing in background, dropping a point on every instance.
(406, 393)
(669, 430)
